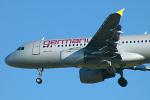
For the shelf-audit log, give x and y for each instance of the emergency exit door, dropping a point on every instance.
(36, 48)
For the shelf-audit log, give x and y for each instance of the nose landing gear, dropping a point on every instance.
(39, 80)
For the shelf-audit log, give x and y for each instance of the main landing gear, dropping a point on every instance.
(39, 80)
(121, 81)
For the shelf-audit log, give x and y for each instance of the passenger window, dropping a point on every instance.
(145, 40)
(122, 42)
(69, 45)
(73, 45)
(80, 44)
(142, 41)
(138, 41)
(58, 45)
(126, 41)
(134, 41)
(76, 44)
(62, 45)
(66, 45)
(130, 41)
(84, 44)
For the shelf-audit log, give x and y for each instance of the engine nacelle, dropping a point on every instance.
(93, 75)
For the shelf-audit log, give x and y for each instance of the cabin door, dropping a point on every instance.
(36, 48)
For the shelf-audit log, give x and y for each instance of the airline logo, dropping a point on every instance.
(65, 41)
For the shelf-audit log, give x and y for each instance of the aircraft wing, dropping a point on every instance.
(107, 36)
(140, 67)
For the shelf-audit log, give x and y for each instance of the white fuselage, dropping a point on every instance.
(47, 53)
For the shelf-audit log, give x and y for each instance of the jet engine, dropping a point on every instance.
(94, 75)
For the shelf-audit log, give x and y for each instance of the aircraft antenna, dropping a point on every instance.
(145, 32)
(43, 38)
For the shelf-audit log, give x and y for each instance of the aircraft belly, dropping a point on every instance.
(104, 65)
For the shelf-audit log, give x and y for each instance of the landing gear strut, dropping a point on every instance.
(39, 80)
(122, 81)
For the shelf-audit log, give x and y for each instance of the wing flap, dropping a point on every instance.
(105, 40)
(109, 30)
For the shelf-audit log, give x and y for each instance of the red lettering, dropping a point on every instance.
(68, 40)
(53, 42)
(46, 43)
(119, 38)
(87, 40)
(75, 41)
(61, 42)
(84, 39)
(65, 41)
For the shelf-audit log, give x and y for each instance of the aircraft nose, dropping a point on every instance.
(8, 60)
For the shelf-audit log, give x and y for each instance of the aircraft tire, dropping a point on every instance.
(122, 82)
(39, 80)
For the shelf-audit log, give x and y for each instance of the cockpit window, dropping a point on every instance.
(20, 48)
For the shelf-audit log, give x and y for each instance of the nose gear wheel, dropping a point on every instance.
(39, 80)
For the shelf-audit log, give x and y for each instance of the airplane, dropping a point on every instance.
(99, 57)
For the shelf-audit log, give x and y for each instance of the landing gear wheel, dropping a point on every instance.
(39, 80)
(122, 82)
(111, 70)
